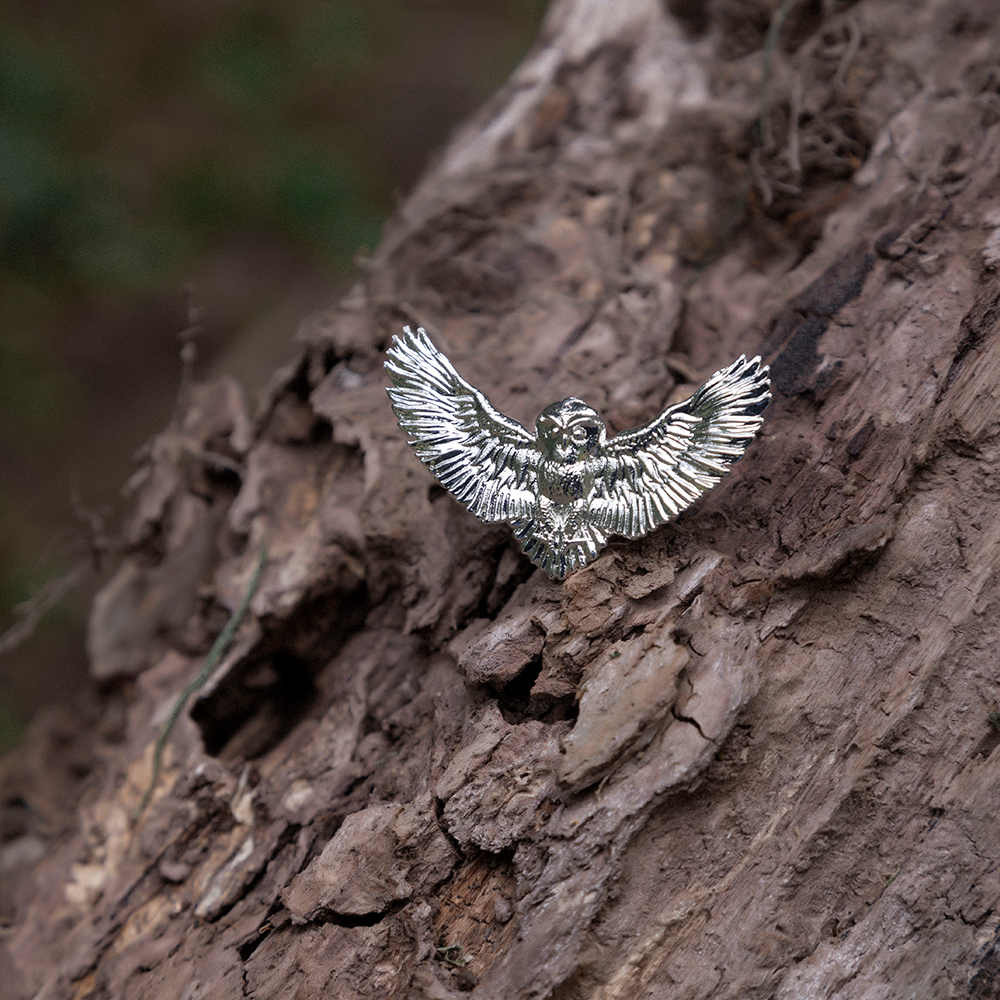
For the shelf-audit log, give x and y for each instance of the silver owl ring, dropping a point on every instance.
(566, 488)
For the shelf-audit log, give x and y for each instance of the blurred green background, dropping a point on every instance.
(247, 150)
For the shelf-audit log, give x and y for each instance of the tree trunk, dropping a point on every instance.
(749, 755)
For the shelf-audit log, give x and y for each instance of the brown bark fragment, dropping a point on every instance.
(351, 876)
(622, 704)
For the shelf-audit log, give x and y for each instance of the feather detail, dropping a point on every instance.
(567, 488)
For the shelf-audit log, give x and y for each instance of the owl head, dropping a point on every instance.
(570, 431)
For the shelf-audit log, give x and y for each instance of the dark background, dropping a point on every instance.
(248, 151)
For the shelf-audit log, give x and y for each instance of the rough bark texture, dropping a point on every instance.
(750, 755)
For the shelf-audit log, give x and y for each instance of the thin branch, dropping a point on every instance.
(770, 44)
(32, 610)
(853, 44)
(794, 113)
(764, 137)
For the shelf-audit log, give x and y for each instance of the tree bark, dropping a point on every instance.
(749, 755)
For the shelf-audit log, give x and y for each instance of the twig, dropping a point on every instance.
(213, 458)
(765, 140)
(52, 592)
(853, 44)
(794, 113)
(48, 597)
(770, 44)
(215, 654)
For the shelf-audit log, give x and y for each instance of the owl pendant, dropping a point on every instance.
(568, 487)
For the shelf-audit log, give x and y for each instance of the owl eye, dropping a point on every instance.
(579, 433)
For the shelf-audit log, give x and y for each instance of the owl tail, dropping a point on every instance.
(560, 538)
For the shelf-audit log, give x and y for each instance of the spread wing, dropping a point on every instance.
(488, 461)
(653, 472)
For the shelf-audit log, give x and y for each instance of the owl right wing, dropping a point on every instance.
(652, 473)
(488, 461)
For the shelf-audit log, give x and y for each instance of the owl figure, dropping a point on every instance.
(568, 487)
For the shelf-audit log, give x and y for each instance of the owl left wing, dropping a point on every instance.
(651, 473)
(488, 461)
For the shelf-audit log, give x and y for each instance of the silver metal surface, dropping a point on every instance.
(566, 488)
